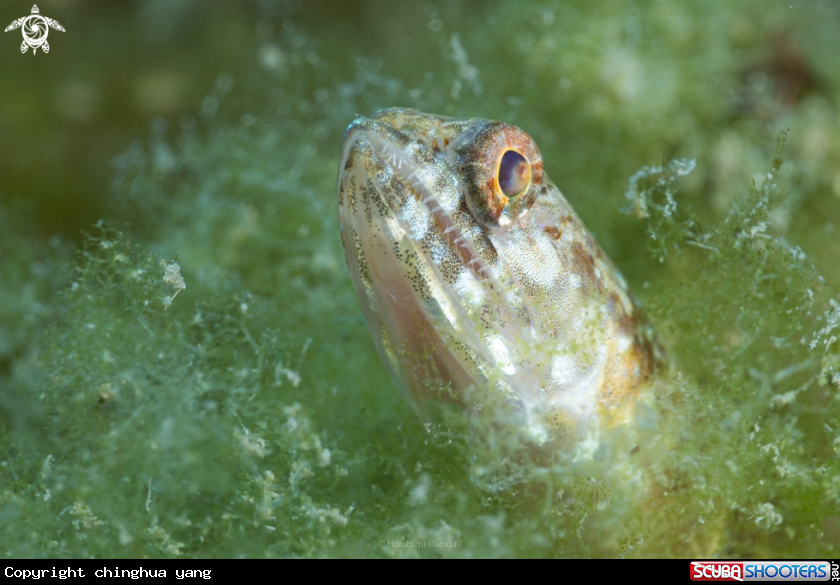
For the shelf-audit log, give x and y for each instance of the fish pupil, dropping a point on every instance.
(514, 174)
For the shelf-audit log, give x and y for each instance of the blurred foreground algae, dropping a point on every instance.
(249, 415)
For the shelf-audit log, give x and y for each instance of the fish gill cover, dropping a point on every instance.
(193, 377)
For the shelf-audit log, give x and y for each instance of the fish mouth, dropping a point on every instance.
(402, 245)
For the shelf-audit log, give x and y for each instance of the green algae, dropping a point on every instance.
(248, 413)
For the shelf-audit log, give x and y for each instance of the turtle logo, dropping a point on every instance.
(35, 31)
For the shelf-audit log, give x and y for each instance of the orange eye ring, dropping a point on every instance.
(503, 173)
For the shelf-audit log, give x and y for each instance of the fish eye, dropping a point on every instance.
(514, 174)
(502, 171)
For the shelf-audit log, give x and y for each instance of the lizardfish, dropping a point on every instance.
(475, 274)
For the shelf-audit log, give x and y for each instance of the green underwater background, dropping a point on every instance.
(185, 370)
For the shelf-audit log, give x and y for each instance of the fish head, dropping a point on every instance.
(476, 276)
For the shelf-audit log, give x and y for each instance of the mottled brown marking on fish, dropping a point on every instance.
(553, 232)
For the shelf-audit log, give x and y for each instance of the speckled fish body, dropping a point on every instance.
(467, 284)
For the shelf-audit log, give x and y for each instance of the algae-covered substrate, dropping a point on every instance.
(248, 413)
